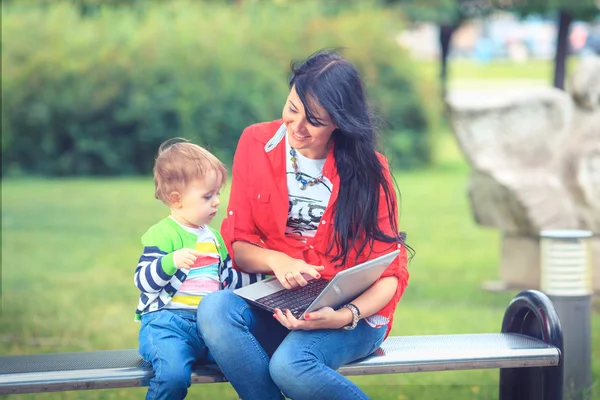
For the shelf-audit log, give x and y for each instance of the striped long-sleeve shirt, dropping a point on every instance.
(162, 285)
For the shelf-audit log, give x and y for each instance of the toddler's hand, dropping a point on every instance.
(185, 258)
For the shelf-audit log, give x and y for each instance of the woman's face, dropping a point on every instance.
(310, 141)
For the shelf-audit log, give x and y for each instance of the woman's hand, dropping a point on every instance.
(289, 270)
(325, 318)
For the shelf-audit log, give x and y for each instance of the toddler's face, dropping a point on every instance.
(200, 201)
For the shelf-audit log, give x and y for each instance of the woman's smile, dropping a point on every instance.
(299, 136)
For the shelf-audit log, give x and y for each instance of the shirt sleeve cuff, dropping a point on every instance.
(168, 264)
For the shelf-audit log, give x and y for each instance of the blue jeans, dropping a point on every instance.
(170, 341)
(261, 358)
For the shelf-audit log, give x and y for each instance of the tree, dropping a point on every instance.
(449, 15)
(567, 11)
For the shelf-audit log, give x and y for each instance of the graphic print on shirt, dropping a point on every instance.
(306, 207)
(202, 277)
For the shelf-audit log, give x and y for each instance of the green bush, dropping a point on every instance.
(96, 93)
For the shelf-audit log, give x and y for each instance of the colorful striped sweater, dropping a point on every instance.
(162, 285)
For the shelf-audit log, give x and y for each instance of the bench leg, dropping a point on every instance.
(531, 313)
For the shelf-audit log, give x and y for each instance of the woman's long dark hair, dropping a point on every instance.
(333, 81)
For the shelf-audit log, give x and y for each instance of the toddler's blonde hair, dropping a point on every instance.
(180, 162)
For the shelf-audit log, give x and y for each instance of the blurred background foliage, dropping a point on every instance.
(93, 87)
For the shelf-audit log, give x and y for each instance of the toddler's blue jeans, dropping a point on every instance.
(169, 339)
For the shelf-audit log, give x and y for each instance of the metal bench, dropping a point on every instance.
(528, 353)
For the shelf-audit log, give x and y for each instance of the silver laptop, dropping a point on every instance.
(318, 293)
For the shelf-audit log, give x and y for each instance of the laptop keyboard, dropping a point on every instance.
(296, 300)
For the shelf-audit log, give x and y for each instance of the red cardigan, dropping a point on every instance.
(258, 210)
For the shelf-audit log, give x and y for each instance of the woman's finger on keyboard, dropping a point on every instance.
(290, 277)
(299, 278)
(313, 270)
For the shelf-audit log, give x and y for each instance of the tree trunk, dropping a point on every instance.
(446, 32)
(562, 48)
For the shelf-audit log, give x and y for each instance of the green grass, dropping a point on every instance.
(500, 74)
(467, 69)
(461, 69)
(70, 247)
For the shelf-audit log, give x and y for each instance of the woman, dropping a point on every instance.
(309, 195)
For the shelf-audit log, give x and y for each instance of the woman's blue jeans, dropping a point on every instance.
(261, 358)
(169, 339)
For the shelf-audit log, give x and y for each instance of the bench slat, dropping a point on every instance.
(404, 354)
(400, 354)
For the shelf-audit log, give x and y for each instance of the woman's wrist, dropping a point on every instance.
(275, 259)
(345, 318)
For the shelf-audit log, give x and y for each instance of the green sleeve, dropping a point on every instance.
(160, 236)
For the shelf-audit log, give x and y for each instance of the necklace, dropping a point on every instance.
(302, 183)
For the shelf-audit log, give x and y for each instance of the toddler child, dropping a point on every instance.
(183, 260)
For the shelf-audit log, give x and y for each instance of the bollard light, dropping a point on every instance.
(566, 278)
(566, 262)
